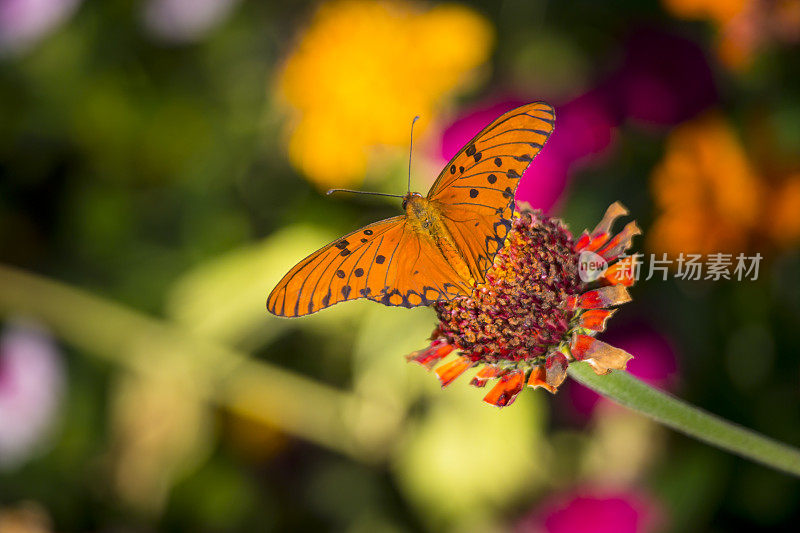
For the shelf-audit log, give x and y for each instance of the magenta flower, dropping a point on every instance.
(31, 388)
(25, 22)
(665, 79)
(595, 511)
(654, 363)
(180, 21)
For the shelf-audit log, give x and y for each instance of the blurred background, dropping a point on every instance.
(164, 162)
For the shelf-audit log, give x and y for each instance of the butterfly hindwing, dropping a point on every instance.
(475, 191)
(385, 262)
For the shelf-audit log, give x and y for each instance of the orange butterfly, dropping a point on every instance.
(445, 242)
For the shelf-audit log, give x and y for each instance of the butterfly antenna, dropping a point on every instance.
(331, 191)
(410, 146)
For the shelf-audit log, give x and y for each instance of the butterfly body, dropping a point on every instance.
(425, 218)
(444, 242)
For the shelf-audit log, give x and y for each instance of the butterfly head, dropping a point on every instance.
(410, 199)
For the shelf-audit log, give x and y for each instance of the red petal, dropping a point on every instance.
(505, 391)
(483, 375)
(621, 242)
(555, 369)
(622, 272)
(604, 297)
(596, 241)
(572, 302)
(595, 319)
(537, 379)
(601, 356)
(432, 354)
(582, 242)
(452, 369)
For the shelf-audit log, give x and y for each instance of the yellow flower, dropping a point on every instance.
(362, 70)
(712, 198)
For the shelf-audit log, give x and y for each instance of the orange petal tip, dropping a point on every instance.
(506, 389)
(595, 319)
(483, 375)
(601, 356)
(604, 297)
(452, 369)
(431, 355)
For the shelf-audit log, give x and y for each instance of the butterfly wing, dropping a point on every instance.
(386, 262)
(475, 191)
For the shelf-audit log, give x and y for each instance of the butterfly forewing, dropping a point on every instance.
(386, 262)
(397, 262)
(475, 191)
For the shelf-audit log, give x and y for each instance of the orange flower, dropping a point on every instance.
(706, 189)
(535, 313)
(743, 26)
(712, 199)
(362, 70)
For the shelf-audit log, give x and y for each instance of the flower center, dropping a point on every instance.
(519, 314)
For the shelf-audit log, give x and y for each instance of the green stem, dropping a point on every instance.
(291, 402)
(624, 389)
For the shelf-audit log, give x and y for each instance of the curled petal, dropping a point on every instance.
(595, 319)
(622, 272)
(601, 356)
(452, 369)
(506, 389)
(537, 379)
(432, 354)
(621, 242)
(483, 375)
(604, 297)
(555, 369)
(613, 212)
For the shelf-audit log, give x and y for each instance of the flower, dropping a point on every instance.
(665, 79)
(24, 22)
(595, 510)
(743, 26)
(31, 388)
(362, 70)
(712, 198)
(181, 21)
(544, 299)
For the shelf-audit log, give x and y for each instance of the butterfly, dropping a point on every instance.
(444, 243)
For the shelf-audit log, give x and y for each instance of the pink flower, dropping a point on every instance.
(31, 388)
(595, 511)
(179, 21)
(654, 362)
(24, 22)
